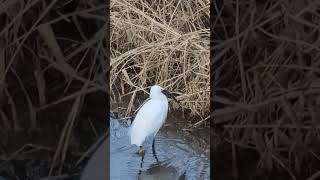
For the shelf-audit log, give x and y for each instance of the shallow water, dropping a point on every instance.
(181, 154)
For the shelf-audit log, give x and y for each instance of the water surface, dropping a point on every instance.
(182, 154)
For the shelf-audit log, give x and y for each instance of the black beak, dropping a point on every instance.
(169, 95)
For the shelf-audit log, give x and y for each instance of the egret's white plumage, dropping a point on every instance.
(150, 117)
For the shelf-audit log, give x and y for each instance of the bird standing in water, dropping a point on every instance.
(150, 118)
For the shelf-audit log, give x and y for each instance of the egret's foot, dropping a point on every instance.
(141, 151)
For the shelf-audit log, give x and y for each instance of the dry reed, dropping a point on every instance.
(50, 65)
(266, 79)
(165, 43)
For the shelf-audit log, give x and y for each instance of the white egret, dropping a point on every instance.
(150, 118)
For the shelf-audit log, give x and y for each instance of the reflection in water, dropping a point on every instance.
(160, 171)
(180, 155)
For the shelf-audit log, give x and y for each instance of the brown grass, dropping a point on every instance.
(50, 65)
(266, 80)
(165, 43)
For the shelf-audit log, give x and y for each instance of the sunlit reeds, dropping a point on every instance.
(163, 42)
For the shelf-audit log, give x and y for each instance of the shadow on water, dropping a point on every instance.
(181, 154)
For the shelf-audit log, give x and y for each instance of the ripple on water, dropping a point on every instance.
(176, 156)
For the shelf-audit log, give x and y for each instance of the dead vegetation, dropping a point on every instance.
(52, 85)
(266, 81)
(161, 42)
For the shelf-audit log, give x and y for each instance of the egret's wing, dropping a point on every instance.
(135, 112)
(148, 121)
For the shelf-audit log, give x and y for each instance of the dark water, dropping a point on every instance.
(182, 154)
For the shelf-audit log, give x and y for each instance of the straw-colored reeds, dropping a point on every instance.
(266, 69)
(161, 42)
(51, 66)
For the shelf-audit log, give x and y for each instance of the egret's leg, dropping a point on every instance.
(154, 150)
(141, 151)
(141, 165)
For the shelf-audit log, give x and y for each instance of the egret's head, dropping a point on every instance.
(157, 91)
